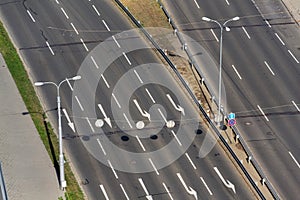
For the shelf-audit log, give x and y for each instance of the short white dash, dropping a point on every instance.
(94, 62)
(84, 44)
(69, 84)
(57, 1)
(104, 192)
(238, 74)
(74, 28)
(279, 39)
(162, 115)
(196, 3)
(227, 2)
(106, 83)
(101, 146)
(246, 32)
(30, 16)
(126, 58)
(116, 100)
(105, 25)
(64, 12)
(212, 31)
(269, 68)
(127, 198)
(138, 76)
(166, 188)
(175, 136)
(294, 159)
(50, 48)
(262, 112)
(140, 142)
(297, 61)
(116, 41)
(153, 166)
(296, 106)
(96, 10)
(88, 121)
(267, 22)
(112, 168)
(150, 95)
(127, 120)
(79, 103)
(188, 157)
(206, 186)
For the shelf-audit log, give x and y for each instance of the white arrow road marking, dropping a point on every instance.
(106, 119)
(127, 198)
(177, 107)
(227, 183)
(71, 124)
(144, 113)
(149, 197)
(166, 188)
(104, 192)
(189, 189)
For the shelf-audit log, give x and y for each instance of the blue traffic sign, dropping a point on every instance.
(231, 122)
(231, 116)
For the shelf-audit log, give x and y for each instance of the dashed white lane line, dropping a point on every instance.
(74, 28)
(196, 3)
(279, 39)
(237, 73)
(206, 186)
(79, 103)
(116, 100)
(69, 84)
(96, 10)
(127, 120)
(188, 157)
(101, 146)
(267, 22)
(84, 44)
(269, 68)
(116, 41)
(138, 76)
(296, 106)
(227, 2)
(244, 29)
(30, 15)
(104, 192)
(294, 159)
(48, 45)
(106, 83)
(105, 25)
(297, 61)
(126, 58)
(151, 162)
(140, 142)
(127, 198)
(88, 121)
(96, 65)
(166, 188)
(57, 1)
(62, 9)
(175, 136)
(150, 95)
(212, 31)
(112, 168)
(162, 115)
(262, 112)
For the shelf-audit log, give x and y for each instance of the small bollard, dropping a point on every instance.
(236, 138)
(263, 181)
(249, 159)
(175, 31)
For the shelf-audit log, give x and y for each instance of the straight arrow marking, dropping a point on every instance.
(71, 124)
(144, 113)
(148, 196)
(190, 190)
(177, 107)
(227, 183)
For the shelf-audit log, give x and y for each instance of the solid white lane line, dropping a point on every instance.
(153, 166)
(206, 186)
(279, 39)
(116, 41)
(84, 44)
(138, 76)
(88, 121)
(269, 68)
(294, 159)
(105, 25)
(227, 2)
(74, 28)
(212, 31)
(166, 188)
(112, 168)
(127, 120)
(296, 106)
(267, 22)
(116, 100)
(150, 95)
(101, 146)
(297, 61)
(94, 62)
(175, 136)
(188, 157)
(164, 118)
(104, 192)
(96, 10)
(69, 84)
(140, 142)
(127, 198)
(246, 32)
(196, 3)
(62, 9)
(79, 103)
(50, 48)
(143, 186)
(238, 74)
(262, 112)
(126, 58)
(106, 83)
(30, 16)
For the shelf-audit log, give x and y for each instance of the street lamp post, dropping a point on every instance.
(222, 26)
(62, 180)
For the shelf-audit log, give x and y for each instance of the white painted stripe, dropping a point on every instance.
(104, 192)
(196, 3)
(279, 39)
(206, 186)
(269, 68)
(238, 74)
(126, 58)
(188, 157)
(150, 95)
(140, 142)
(116, 100)
(296, 106)
(153, 166)
(101, 146)
(175, 136)
(84, 44)
(267, 22)
(74, 28)
(79, 103)
(94, 62)
(62, 9)
(96, 10)
(162, 115)
(127, 120)
(166, 188)
(212, 31)
(227, 2)
(105, 25)
(143, 186)
(297, 61)
(50, 48)
(116, 41)
(57, 1)
(246, 32)
(127, 198)
(69, 84)
(294, 159)
(138, 76)
(262, 112)
(112, 168)
(88, 121)
(30, 16)
(106, 83)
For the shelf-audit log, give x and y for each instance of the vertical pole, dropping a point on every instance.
(220, 76)
(2, 185)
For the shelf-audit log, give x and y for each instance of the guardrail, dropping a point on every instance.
(2, 185)
(136, 22)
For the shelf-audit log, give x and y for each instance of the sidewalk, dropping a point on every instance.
(28, 171)
(293, 7)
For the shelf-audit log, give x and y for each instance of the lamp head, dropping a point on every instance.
(75, 78)
(206, 19)
(235, 18)
(38, 83)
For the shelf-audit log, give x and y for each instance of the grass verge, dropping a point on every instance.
(25, 87)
